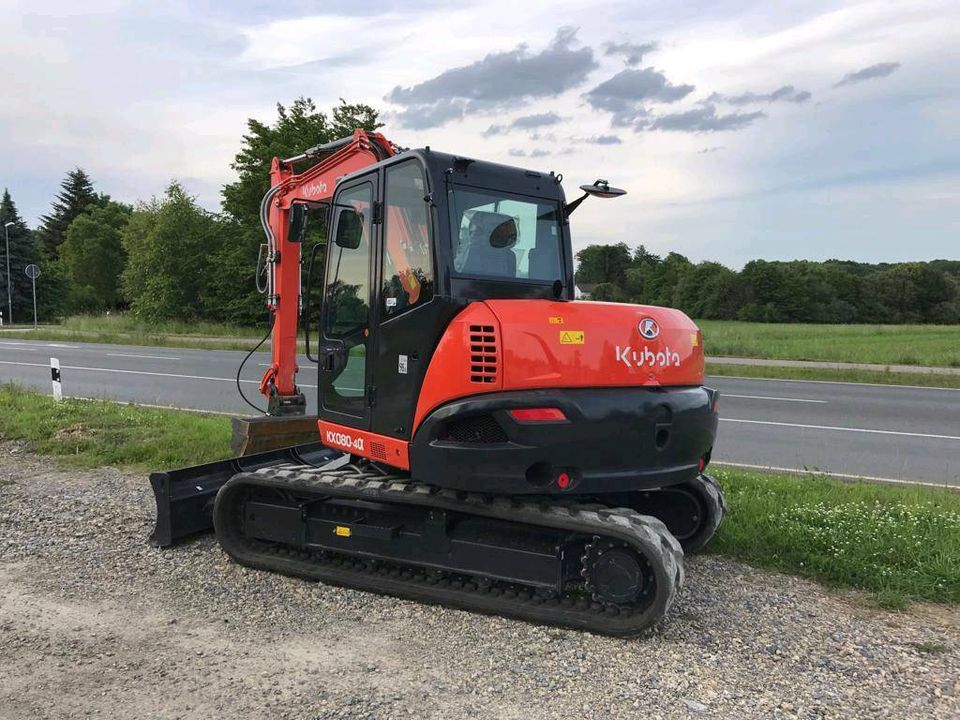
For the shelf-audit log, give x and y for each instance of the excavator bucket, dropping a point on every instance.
(185, 496)
(260, 434)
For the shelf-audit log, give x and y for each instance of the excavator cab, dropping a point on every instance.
(414, 240)
(447, 319)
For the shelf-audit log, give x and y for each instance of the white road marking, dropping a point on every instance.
(149, 357)
(768, 397)
(28, 347)
(845, 476)
(142, 372)
(835, 382)
(841, 429)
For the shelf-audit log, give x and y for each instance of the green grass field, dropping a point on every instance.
(900, 544)
(126, 323)
(931, 345)
(125, 329)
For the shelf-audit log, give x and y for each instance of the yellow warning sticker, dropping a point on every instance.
(571, 337)
(555, 320)
(342, 531)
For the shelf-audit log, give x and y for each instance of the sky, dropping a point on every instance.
(740, 130)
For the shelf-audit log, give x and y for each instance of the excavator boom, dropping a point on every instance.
(309, 188)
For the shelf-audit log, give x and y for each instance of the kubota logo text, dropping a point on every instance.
(317, 188)
(645, 357)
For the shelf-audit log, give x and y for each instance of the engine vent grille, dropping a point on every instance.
(479, 429)
(378, 451)
(483, 354)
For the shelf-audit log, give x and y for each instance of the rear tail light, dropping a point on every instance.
(538, 415)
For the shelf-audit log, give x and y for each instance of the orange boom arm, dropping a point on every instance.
(314, 186)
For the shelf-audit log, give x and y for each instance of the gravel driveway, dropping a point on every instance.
(94, 622)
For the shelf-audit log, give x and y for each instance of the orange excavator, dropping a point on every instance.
(483, 439)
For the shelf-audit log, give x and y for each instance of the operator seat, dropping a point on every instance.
(487, 250)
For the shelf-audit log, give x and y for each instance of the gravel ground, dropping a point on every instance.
(94, 622)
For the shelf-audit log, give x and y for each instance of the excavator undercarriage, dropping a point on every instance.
(316, 513)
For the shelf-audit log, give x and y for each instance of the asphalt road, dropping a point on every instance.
(896, 433)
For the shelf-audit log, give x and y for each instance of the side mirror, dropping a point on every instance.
(298, 222)
(600, 189)
(349, 229)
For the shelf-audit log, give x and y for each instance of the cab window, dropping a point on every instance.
(407, 249)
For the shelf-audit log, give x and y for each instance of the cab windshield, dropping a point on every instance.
(500, 235)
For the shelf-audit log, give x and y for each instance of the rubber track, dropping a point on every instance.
(712, 494)
(646, 534)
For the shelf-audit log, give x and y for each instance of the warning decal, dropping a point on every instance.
(571, 337)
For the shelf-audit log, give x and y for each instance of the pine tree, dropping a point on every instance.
(76, 195)
(23, 251)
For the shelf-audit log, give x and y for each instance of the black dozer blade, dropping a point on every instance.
(185, 496)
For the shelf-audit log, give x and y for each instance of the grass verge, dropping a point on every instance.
(836, 375)
(930, 345)
(125, 329)
(900, 544)
(90, 433)
(128, 324)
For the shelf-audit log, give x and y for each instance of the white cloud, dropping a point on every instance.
(139, 94)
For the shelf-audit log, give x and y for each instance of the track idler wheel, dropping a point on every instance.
(692, 511)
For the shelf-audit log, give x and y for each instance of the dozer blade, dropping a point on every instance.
(261, 434)
(185, 496)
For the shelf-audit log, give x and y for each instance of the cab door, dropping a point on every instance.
(344, 377)
(409, 316)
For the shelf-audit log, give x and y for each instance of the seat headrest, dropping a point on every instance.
(498, 229)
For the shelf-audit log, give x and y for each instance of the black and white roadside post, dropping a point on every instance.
(55, 379)
(33, 272)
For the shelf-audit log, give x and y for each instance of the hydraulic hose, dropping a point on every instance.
(244, 362)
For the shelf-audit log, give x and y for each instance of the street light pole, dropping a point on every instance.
(6, 232)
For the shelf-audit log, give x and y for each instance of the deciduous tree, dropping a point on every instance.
(93, 257)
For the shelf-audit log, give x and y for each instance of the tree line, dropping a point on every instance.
(165, 258)
(833, 291)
